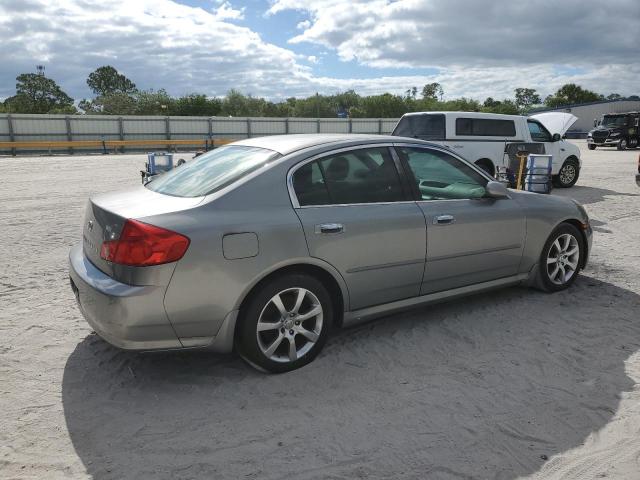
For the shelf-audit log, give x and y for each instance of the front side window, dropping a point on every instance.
(212, 171)
(484, 127)
(358, 176)
(538, 132)
(440, 176)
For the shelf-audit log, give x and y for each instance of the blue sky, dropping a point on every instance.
(283, 48)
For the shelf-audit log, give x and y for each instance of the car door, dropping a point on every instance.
(556, 149)
(470, 238)
(358, 217)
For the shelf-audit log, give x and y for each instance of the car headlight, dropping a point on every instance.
(615, 134)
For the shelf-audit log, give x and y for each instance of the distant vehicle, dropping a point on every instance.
(619, 130)
(265, 245)
(482, 138)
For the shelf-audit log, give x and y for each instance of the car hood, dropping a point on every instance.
(556, 122)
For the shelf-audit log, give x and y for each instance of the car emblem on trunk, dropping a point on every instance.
(90, 225)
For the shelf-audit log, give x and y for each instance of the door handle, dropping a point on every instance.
(330, 228)
(443, 220)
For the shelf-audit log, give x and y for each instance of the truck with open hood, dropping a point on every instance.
(484, 138)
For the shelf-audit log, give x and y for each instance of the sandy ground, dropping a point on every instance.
(512, 384)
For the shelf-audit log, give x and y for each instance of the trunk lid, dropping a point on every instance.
(105, 216)
(556, 122)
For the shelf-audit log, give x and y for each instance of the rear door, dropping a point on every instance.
(470, 238)
(359, 218)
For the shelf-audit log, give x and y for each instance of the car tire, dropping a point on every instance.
(285, 323)
(561, 259)
(592, 147)
(622, 144)
(568, 174)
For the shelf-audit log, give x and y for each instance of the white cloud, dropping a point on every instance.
(163, 44)
(226, 12)
(303, 25)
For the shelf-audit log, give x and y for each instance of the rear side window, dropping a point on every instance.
(359, 176)
(425, 127)
(484, 127)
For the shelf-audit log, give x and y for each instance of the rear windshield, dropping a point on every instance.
(212, 171)
(425, 127)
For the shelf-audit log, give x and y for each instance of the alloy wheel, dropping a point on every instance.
(289, 325)
(563, 258)
(567, 174)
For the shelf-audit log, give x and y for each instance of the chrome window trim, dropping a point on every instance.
(389, 145)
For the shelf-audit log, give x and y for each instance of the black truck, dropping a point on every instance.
(615, 130)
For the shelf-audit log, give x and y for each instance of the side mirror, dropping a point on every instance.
(556, 137)
(496, 190)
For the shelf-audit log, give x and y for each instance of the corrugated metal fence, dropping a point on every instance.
(39, 128)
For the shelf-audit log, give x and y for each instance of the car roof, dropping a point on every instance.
(465, 114)
(286, 144)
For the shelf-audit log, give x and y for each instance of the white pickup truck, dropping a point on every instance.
(482, 138)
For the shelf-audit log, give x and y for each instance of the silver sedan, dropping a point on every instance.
(263, 246)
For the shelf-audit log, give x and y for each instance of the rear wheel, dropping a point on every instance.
(285, 323)
(568, 174)
(561, 259)
(622, 144)
(486, 165)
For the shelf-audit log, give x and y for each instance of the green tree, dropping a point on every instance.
(150, 102)
(37, 94)
(432, 90)
(110, 104)
(570, 94)
(107, 80)
(196, 105)
(614, 96)
(526, 98)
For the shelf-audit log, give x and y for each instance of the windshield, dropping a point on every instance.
(212, 171)
(614, 121)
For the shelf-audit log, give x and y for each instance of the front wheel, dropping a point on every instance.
(285, 323)
(592, 146)
(568, 174)
(622, 144)
(561, 259)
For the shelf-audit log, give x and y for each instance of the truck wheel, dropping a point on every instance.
(633, 142)
(568, 174)
(622, 144)
(592, 147)
(486, 165)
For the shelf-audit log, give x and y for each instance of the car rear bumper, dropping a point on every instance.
(128, 317)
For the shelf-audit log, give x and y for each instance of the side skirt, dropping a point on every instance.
(359, 316)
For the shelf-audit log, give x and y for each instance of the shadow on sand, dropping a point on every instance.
(487, 387)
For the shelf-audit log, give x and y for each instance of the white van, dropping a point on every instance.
(482, 138)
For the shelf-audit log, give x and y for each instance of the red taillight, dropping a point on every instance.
(142, 245)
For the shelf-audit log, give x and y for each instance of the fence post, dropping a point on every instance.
(121, 132)
(318, 127)
(286, 126)
(12, 136)
(167, 132)
(350, 125)
(67, 122)
(379, 126)
(248, 127)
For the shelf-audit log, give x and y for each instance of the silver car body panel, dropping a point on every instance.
(389, 256)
